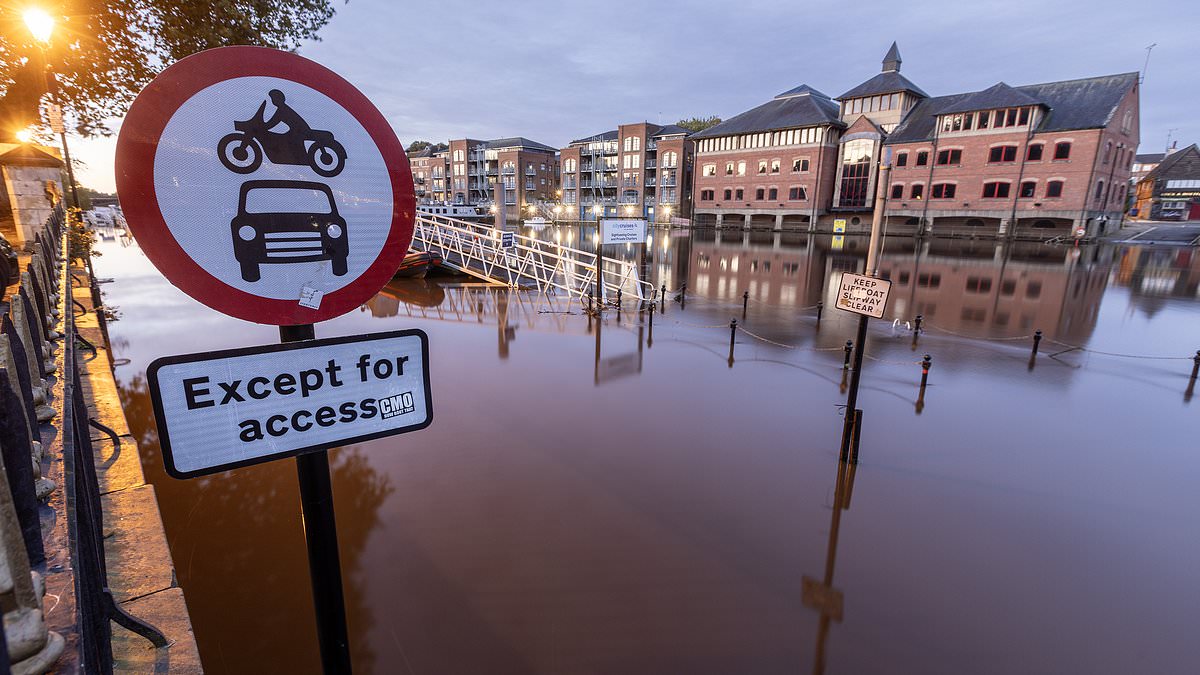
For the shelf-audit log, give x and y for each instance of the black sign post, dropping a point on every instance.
(320, 535)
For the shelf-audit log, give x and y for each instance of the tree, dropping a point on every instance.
(694, 124)
(417, 146)
(102, 52)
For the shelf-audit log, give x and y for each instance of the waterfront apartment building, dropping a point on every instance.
(1171, 191)
(639, 169)
(509, 174)
(1034, 161)
(429, 169)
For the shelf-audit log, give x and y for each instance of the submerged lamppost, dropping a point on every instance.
(41, 25)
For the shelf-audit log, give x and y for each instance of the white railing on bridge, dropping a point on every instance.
(476, 249)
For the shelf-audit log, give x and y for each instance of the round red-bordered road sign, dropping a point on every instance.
(265, 186)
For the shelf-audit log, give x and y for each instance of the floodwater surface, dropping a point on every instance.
(618, 497)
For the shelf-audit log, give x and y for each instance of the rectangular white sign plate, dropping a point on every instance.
(226, 409)
(508, 240)
(863, 295)
(623, 231)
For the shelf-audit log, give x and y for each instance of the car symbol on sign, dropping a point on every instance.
(287, 221)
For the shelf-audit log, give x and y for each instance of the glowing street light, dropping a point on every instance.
(25, 135)
(40, 23)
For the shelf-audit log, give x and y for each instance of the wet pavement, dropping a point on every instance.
(621, 498)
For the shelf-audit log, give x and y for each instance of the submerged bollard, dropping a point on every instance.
(917, 325)
(1037, 339)
(732, 336)
(618, 299)
(589, 307)
(1191, 388)
(745, 302)
(849, 347)
(820, 308)
(925, 363)
(650, 337)
(1196, 365)
(662, 293)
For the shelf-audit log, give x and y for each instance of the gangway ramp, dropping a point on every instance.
(476, 249)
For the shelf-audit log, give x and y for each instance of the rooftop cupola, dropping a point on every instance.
(892, 61)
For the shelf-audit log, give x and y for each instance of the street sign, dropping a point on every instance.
(226, 409)
(54, 114)
(863, 295)
(622, 231)
(508, 240)
(839, 225)
(265, 186)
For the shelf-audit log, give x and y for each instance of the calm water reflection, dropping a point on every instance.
(619, 499)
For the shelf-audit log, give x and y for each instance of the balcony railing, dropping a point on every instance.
(651, 182)
(651, 164)
(508, 171)
(652, 145)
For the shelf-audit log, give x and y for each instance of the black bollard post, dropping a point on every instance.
(1037, 339)
(618, 299)
(682, 291)
(745, 303)
(917, 325)
(589, 307)
(650, 336)
(820, 308)
(925, 363)
(662, 293)
(849, 348)
(1191, 388)
(1196, 365)
(732, 337)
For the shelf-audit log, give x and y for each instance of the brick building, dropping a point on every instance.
(1033, 161)
(639, 169)
(506, 173)
(1171, 191)
(429, 169)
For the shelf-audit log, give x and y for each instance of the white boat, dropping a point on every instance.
(457, 211)
(536, 221)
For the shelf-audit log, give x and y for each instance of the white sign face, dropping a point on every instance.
(221, 410)
(622, 231)
(863, 295)
(508, 240)
(54, 113)
(242, 222)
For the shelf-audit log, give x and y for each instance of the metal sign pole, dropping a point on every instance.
(320, 534)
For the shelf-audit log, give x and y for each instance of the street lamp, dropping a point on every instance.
(41, 25)
(666, 209)
(598, 209)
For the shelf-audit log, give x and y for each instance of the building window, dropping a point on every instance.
(739, 194)
(979, 284)
(1002, 153)
(898, 191)
(1028, 188)
(706, 195)
(922, 158)
(1054, 188)
(995, 190)
(728, 194)
(799, 165)
(917, 191)
(1099, 189)
(1127, 121)
(773, 194)
(943, 191)
(856, 170)
(1033, 290)
(762, 166)
(728, 168)
(1034, 153)
(741, 169)
(949, 157)
(758, 194)
(710, 169)
(902, 159)
(775, 166)
(797, 194)
(984, 119)
(1062, 150)
(929, 281)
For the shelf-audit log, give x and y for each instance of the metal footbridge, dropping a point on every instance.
(476, 249)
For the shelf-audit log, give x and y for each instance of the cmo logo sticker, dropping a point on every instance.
(400, 404)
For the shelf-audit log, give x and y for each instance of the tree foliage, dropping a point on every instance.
(694, 124)
(102, 52)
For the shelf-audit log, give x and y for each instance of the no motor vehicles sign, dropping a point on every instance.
(265, 186)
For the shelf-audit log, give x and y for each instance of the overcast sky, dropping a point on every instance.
(558, 70)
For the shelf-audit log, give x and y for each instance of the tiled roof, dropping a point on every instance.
(999, 95)
(1088, 103)
(802, 89)
(1150, 158)
(1171, 160)
(518, 142)
(887, 82)
(805, 109)
(603, 136)
(670, 130)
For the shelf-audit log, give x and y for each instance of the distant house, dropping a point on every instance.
(1171, 191)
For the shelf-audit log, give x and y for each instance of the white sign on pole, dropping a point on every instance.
(221, 410)
(508, 240)
(863, 295)
(54, 113)
(622, 231)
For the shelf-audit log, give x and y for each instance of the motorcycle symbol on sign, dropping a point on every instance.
(242, 151)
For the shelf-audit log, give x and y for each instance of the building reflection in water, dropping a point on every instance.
(821, 595)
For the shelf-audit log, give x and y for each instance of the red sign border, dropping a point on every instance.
(138, 141)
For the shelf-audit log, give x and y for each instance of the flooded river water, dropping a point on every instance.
(625, 499)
